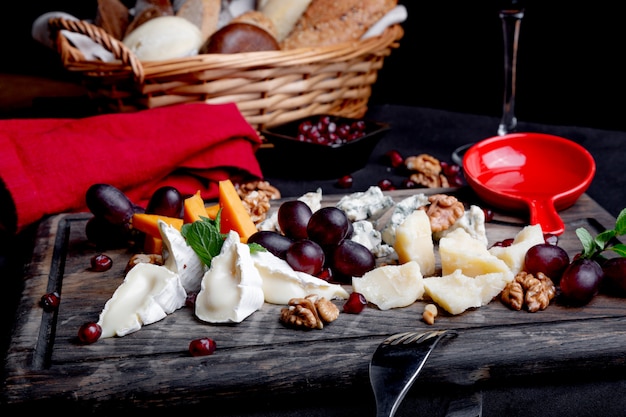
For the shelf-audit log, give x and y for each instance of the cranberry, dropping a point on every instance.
(50, 301)
(386, 185)
(202, 347)
(89, 332)
(355, 304)
(345, 181)
(101, 263)
(394, 158)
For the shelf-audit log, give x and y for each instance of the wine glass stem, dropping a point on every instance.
(511, 22)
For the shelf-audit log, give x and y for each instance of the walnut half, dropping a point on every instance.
(535, 293)
(310, 312)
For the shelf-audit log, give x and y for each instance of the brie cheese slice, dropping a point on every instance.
(231, 289)
(281, 282)
(148, 294)
(180, 258)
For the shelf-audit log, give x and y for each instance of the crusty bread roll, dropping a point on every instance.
(113, 17)
(255, 17)
(240, 37)
(202, 13)
(327, 22)
(147, 13)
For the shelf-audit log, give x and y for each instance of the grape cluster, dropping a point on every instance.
(317, 242)
(110, 227)
(328, 130)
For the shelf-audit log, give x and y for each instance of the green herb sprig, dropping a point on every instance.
(594, 247)
(205, 238)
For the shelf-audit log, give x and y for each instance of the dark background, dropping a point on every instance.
(570, 68)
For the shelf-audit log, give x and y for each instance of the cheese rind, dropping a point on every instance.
(180, 258)
(148, 294)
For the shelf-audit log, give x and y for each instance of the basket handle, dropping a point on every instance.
(104, 39)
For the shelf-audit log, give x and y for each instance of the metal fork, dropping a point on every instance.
(395, 365)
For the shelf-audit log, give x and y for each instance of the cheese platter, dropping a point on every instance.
(260, 360)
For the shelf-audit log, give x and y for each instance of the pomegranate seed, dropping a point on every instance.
(386, 185)
(326, 274)
(202, 347)
(551, 239)
(50, 301)
(89, 332)
(355, 304)
(504, 243)
(394, 159)
(409, 184)
(101, 263)
(345, 181)
(450, 170)
(488, 214)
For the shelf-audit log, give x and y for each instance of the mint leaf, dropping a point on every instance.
(205, 238)
(606, 240)
(255, 247)
(588, 242)
(620, 224)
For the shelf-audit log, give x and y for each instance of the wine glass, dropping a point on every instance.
(511, 13)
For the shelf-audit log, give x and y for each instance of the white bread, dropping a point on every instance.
(164, 37)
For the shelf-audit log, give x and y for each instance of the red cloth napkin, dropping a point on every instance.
(47, 165)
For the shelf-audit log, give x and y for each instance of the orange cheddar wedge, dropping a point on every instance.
(211, 211)
(234, 215)
(193, 208)
(149, 223)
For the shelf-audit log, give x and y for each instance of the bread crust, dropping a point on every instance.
(327, 22)
(202, 13)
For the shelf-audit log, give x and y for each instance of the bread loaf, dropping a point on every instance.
(284, 14)
(202, 13)
(327, 22)
(255, 17)
(164, 37)
(113, 17)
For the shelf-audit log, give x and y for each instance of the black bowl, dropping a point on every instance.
(286, 155)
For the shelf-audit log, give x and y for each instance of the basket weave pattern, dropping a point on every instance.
(269, 87)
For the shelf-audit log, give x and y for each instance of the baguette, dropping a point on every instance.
(327, 22)
(202, 13)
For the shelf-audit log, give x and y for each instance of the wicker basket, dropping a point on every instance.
(269, 87)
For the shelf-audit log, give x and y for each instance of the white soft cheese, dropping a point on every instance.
(281, 283)
(180, 258)
(148, 294)
(231, 289)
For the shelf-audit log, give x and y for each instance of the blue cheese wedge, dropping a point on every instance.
(231, 289)
(180, 258)
(366, 205)
(148, 294)
(400, 212)
(281, 282)
(365, 234)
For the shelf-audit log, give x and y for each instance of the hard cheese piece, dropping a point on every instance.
(458, 250)
(148, 294)
(414, 242)
(149, 223)
(514, 254)
(281, 283)
(234, 215)
(180, 258)
(457, 292)
(231, 289)
(391, 286)
(194, 209)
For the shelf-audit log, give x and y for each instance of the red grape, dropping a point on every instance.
(580, 281)
(615, 272)
(166, 201)
(328, 225)
(293, 218)
(352, 259)
(305, 256)
(272, 241)
(547, 258)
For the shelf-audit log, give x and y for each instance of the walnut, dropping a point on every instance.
(256, 196)
(443, 211)
(150, 258)
(310, 312)
(429, 314)
(527, 290)
(424, 163)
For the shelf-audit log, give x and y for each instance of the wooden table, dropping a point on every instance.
(261, 366)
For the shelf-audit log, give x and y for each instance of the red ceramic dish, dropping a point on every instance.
(530, 171)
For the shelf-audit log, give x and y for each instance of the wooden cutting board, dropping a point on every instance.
(260, 359)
